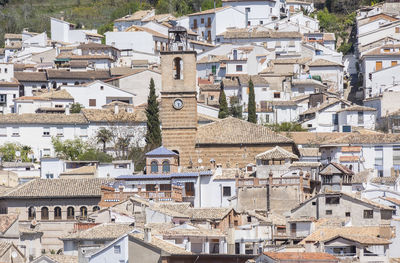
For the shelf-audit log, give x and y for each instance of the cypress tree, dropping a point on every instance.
(153, 135)
(223, 105)
(251, 107)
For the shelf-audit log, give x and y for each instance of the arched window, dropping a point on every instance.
(178, 68)
(44, 213)
(76, 83)
(165, 167)
(31, 213)
(96, 208)
(83, 210)
(70, 213)
(57, 213)
(177, 152)
(43, 87)
(154, 167)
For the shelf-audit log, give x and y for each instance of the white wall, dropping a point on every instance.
(108, 254)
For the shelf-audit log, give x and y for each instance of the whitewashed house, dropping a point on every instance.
(370, 23)
(57, 77)
(95, 94)
(257, 12)
(379, 68)
(356, 116)
(301, 87)
(330, 72)
(299, 6)
(9, 88)
(210, 23)
(388, 30)
(63, 31)
(385, 103)
(31, 81)
(135, 19)
(296, 22)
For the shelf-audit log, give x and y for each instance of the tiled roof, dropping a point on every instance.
(92, 45)
(309, 152)
(89, 74)
(365, 240)
(378, 51)
(107, 115)
(6, 221)
(305, 164)
(145, 29)
(256, 79)
(357, 138)
(277, 153)
(311, 82)
(324, 105)
(84, 170)
(165, 246)
(171, 209)
(255, 33)
(361, 177)
(370, 19)
(326, 233)
(121, 71)
(189, 231)
(12, 36)
(210, 87)
(161, 151)
(207, 213)
(159, 18)
(367, 201)
(230, 83)
(78, 63)
(72, 56)
(345, 158)
(138, 15)
(58, 188)
(323, 63)
(314, 138)
(106, 231)
(30, 76)
(212, 59)
(227, 174)
(304, 256)
(57, 258)
(235, 131)
(17, 165)
(329, 37)
(57, 94)
(43, 118)
(388, 180)
(329, 170)
(357, 108)
(210, 11)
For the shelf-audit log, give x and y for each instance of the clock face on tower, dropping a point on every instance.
(178, 104)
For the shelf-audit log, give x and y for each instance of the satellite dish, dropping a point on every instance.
(18, 153)
(14, 254)
(199, 160)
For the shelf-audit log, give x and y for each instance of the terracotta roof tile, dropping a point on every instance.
(309, 152)
(138, 15)
(323, 63)
(245, 33)
(62, 258)
(165, 246)
(30, 76)
(90, 74)
(235, 131)
(277, 153)
(106, 231)
(43, 118)
(357, 108)
(306, 256)
(108, 115)
(357, 138)
(6, 221)
(57, 94)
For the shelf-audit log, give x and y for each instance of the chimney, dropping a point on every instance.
(147, 235)
(116, 108)
(67, 112)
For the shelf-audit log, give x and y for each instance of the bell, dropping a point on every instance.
(178, 38)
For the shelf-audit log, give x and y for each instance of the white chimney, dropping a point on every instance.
(147, 235)
(116, 108)
(67, 112)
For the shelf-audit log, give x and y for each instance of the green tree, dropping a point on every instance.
(251, 106)
(223, 105)
(76, 107)
(235, 110)
(153, 134)
(104, 136)
(69, 149)
(137, 155)
(209, 4)
(95, 155)
(8, 152)
(286, 127)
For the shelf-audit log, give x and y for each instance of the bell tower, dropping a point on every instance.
(178, 97)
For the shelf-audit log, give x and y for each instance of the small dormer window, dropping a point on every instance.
(154, 167)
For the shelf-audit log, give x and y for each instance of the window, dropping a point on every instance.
(84, 131)
(83, 211)
(332, 200)
(3, 98)
(194, 23)
(101, 87)
(239, 68)
(397, 29)
(396, 157)
(208, 36)
(60, 131)
(248, 23)
(226, 191)
(5, 70)
(15, 131)
(46, 131)
(96, 208)
(335, 119)
(301, 90)
(249, 219)
(277, 95)
(214, 69)
(248, 9)
(202, 21)
(360, 115)
(378, 65)
(117, 249)
(189, 189)
(328, 212)
(209, 22)
(347, 214)
(314, 203)
(31, 213)
(70, 213)
(393, 63)
(379, 160)
(92, 102)
(165, 167)
(261, 22)
(76, 83)
(154, 167)
(46, 152)
(57, 213)
(44, 213)
(368, 214)
(49, 176)
(178, 67)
